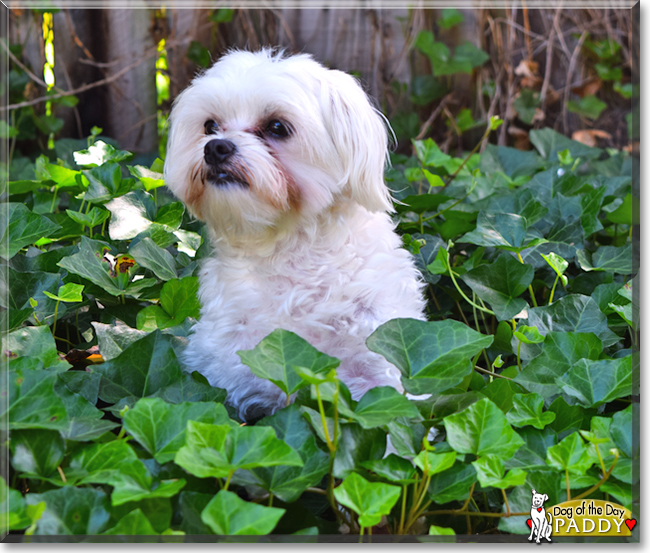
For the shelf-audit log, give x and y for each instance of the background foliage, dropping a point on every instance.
(529, 352)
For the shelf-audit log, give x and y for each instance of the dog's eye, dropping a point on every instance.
(277, 129)
(210, 127)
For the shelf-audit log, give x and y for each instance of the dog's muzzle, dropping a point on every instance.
(217, 153)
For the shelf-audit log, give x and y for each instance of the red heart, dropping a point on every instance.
(530, 523)
(539, 509)
(631, 523)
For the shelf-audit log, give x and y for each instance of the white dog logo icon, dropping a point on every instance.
(540, 526)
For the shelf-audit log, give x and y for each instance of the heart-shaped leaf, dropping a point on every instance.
(571, 454)
(482, 429)
(596, 382)
(275, 357)
(19, 227)
(228, 515)
(527, 410)
(370, 500)
(432, 356)
(490, 473)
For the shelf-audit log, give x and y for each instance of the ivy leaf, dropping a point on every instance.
(217, 450)
(500, 230)
(96, 216)
(432, 356)
(482, 429)
(19, 227)
(69, 293)
(571, 454)
(572, 313)
(105, 182)
(160, 427)
(228, 515)
(34, 342)
(392, 468)
(99, 153)
(452, 484)
(36, 452)
(500, 284)
(71, 511)
(287, 483)
(490, 473)
(148, 254)
(433, 463)
(178, 301)
(621, 430)
(528, 335)
(617, 260)
(13, 509)
(596, 382)
(275, 357)
(527, 410)
(147, 366)
(134, 523)
(381, 405)
(560, 351)
(370, 500)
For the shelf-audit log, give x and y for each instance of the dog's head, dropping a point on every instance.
(538, 499)
(260, 138)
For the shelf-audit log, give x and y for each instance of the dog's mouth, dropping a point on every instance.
(223, 178)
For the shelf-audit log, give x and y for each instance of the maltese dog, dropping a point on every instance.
(284, 161)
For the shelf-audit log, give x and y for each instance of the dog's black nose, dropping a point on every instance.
(218, 151)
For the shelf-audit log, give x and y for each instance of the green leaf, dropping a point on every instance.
(528, 335)
(96, 216)
(150, 179)
(482, 429)
(90, 262)
(527, 410)
(178, 301)
(381, 405)
(500, 230)
(596, 382)
(134, 523)
(32, 402)
(99, 154)
(370, 500)
(160, 427)
(392, 468)
(71, 511)
(115, 338)
(430, 154)
(560, 351)
(568, 418)
(571, 454)
(148, 254)
(452, 484)
(287, 483)
(622, 433)
(19, 227)
(144, 368)
(68, 293)
(549, 143)
(572, 313)
(527, 104)
(12, 508)
(588, 106)
(228, 515)
(617, 260)
(433, 463)
(36, 452)
(490, 473)
(432, 356)
(105, 183)
(277, 355)
(500, 284)
(35, 342)
(440, 531)
(557, 263)
(199, 54)
(218, 450)
(355, 446)
(449, 17)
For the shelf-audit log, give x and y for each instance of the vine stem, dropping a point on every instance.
(550, 299)
(568, 488)
(530, 286)
(451, 274)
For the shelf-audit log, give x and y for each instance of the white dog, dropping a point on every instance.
(540, 526)
(284, 161)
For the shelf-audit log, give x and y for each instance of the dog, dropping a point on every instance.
(284, 161)
(540, 526)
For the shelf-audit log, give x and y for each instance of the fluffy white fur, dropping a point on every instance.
(306, 245)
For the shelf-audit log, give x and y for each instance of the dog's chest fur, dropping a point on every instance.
(333, 285)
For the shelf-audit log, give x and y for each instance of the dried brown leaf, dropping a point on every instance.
(588, 89)
(527, 68)
(588, 136)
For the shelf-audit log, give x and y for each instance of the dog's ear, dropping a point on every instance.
(360, 136)
(534, 492)
(545, 497)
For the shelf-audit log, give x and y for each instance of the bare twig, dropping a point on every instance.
(549, 61)
(567, 90)
(149, 53)
(434, 114)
